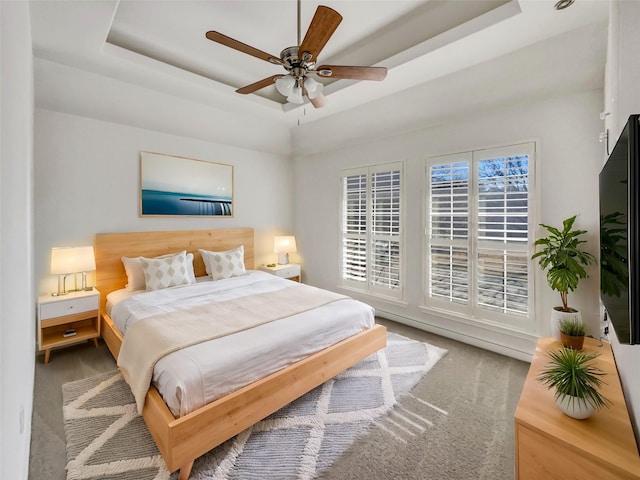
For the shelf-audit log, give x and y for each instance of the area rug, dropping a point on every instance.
(107, 439)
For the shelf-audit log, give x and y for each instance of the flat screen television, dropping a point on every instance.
(620, 234)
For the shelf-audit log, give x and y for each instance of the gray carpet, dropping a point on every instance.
(470, 438)
(107, 439)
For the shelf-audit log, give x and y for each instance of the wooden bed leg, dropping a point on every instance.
(185, 471)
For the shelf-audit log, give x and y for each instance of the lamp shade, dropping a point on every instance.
(65, 260)
(285, 84)
(286, 244)
(296, 96)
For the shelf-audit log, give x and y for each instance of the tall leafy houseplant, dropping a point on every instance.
(563, 259)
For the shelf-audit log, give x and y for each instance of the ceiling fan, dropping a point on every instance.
(300, 61)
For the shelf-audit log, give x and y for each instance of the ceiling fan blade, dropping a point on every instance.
(324, 23)
(354, 73)
(254, 87)
(242, 47)
(319, 101)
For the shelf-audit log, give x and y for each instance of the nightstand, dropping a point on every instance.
(75, 310)
(290, 271)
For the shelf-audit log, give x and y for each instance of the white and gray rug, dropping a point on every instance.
(107, 439)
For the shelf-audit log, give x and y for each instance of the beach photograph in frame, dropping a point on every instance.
(171, 185)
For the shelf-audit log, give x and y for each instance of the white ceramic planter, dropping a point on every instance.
(557, 315)
(575, 407)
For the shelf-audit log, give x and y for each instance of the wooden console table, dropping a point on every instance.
(551, 445)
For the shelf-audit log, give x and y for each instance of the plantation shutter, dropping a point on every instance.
(448, 231)
(477, 237)
(385, 229)
(503, 219)
(354, 221)
(372, 230)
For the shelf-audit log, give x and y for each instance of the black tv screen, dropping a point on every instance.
(619, 235)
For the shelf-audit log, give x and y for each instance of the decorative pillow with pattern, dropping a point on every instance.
(135, 274)
(167, 271)
(227, 264)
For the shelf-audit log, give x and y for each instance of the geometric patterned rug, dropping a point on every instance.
(107, 439)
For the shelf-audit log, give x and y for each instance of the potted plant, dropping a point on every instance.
(576, 381)
(564, 260)
(572, 332)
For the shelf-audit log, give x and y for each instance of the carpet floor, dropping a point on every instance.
(478, 390)
(106, 438)
(470, 398)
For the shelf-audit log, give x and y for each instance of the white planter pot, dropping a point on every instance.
(557, 315)
(575, 407)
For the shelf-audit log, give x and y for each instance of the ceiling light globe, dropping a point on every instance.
(296, 96)
(285, 84)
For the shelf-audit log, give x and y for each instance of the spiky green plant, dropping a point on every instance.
(563, 258)
(572, 327)
(571, 372)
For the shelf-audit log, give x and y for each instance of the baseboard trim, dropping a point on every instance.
(524, 353)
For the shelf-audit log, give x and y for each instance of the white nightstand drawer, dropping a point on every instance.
(69, 306)
(288, 272)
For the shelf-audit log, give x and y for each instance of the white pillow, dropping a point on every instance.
(135, 274)
(166, 271)
(226, 264)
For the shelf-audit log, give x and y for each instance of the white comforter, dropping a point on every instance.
(194, 376)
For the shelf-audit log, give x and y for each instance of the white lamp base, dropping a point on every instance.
(283, 258)
(62, 290)
(84, 283)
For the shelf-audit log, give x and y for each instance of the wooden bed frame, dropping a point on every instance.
(182, 440)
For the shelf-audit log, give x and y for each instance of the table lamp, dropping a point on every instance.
(283, 246)
(68, 260)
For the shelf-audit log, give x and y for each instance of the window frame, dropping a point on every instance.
(367, 286)
(472, 310)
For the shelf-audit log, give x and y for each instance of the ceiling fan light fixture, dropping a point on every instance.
(295, 84)
(285, 85)
(296, 96)
(313, 87)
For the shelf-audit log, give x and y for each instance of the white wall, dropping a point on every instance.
(67, 89)
(87, 181)
(17, 331)
(566, 130)
(621, 100)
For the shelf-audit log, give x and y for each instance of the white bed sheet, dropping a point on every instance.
(197, 375)
(118, 295)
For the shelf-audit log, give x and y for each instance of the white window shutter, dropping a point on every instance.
(354, 225)
(477, 236)
(503, 232)
(385, 229)
(448, 231)
(372, 230)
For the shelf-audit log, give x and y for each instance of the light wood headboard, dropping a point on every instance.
(110, 247)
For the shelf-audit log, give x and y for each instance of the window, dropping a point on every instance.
(478, 223)
(371, 229)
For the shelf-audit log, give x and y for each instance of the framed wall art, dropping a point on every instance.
(171, 185)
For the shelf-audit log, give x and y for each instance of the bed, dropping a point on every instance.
(183, 438)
